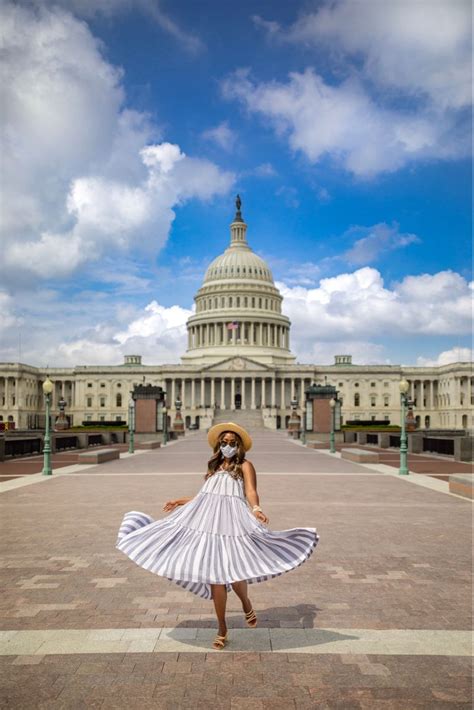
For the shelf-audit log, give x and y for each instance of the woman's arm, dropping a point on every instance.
(183, 501)
(250, 483)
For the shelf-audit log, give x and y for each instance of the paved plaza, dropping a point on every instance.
(378, 617)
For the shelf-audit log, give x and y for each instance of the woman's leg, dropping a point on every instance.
(219, 597)
(240, 588)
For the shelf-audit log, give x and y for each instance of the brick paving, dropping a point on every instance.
(392, 556)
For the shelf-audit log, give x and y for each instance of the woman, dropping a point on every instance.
(213, 543)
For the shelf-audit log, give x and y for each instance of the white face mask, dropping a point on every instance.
(228, 451)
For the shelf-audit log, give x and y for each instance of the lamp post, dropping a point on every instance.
(332, 447)
(403, 386)
(131, 426)
(47, 389)
(165, 426)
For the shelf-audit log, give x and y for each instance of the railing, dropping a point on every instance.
(22, 447)
(94, 440)
(66, 442)
(439, 446)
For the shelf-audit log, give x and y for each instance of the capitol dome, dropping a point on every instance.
(238, 308)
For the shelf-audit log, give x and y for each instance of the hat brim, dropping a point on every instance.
(214, 431)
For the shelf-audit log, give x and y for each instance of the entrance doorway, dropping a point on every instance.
(238, 401)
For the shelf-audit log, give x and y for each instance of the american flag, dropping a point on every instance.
(233, 325)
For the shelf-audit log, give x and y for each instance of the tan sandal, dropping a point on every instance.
(251, 618)
(219, 642)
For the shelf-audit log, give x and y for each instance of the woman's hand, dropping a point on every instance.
(261, 516)
(171, 505)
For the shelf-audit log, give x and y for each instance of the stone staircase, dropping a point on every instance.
(250, 419)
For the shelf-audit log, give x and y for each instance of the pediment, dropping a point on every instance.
(237, 364)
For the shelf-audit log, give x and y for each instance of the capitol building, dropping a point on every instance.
(238, 365)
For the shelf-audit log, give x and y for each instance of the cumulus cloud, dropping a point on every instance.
(358, 305)
(86, 173)
(447, 357)
(344, 123)
(159, 334)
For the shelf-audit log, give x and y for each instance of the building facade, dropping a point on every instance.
(238, 357)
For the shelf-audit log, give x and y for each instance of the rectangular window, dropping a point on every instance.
(89, 401)
(102, 401)
(102, 418)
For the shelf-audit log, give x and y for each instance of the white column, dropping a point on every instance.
(232, 391)
(234, 337)
(260, 333)
(252, 404)
(222, 402)
(213, 392)
(193, 393)
(203, 382)
(302, 393)
(243, 392)
(273, 400)
(263, 393)
(282, 398)
(173, 391)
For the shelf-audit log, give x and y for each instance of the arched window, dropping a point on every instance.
(356, 399)
(118, 399)
(230, 301)
(238, 301)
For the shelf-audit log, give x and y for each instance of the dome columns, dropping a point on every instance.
(249, 333)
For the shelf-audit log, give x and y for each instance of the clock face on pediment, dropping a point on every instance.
(237, 364)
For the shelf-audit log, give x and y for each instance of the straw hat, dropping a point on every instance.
(214, 431)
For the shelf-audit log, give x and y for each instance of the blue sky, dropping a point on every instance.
(132, 124)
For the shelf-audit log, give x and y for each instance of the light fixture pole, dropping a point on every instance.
(403, 386)
(332, 447)
(165, 426)
(47, 389)
(131, 426)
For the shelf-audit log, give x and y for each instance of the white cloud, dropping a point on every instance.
(358, 305)
(420, 48)
(264, 170)
(222, 135)
(86, 174)
(379, 239)
(151, 8)
(92, 329)
(447, 357)
(344, 123)
(159, 334)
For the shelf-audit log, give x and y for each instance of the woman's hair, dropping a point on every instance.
(235, 468)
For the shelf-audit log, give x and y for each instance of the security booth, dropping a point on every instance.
(318, 409)
(149, 410)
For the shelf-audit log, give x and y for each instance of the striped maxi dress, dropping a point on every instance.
(213, 539)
